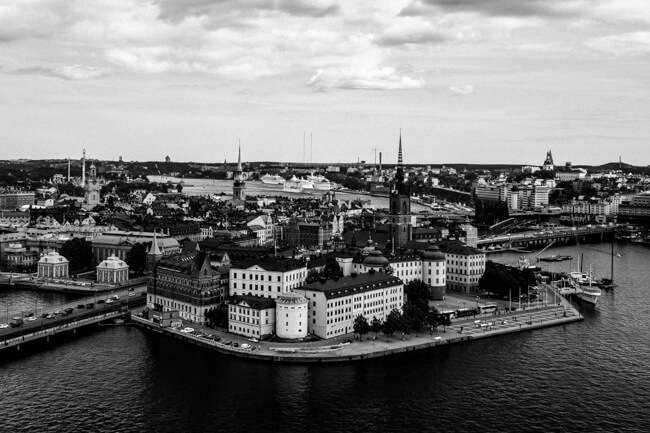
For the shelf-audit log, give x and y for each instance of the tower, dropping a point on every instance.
(92, 188)
(548, 162)
(154, 254)
(83, 169)
(400, 204)
(239, 186)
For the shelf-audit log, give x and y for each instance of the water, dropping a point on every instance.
(208, 187)
(590, 376)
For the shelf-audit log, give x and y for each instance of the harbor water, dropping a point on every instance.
(590, 376)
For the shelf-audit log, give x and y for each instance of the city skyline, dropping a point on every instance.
(469, 81)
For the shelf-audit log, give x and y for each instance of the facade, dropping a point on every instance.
(53, 265)
(637, 210)
(186, 283)
(434, 271)
(12, 200)
(590, 211)
(465, 266)
(334, 304)
(268, 278)
(263, 227)
(308, 234)
(112, 271)
(291, 313)
(251, 316)
(119, 243)
(92, 188)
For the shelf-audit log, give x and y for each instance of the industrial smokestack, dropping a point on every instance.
(380, 163)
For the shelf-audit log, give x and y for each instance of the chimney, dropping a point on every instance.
(380, 163)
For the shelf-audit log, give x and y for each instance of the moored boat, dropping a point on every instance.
(555, 258)
(292, 185)
(275, 179)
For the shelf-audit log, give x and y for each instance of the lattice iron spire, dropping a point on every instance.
(400, 160)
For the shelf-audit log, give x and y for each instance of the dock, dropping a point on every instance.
(345, 349)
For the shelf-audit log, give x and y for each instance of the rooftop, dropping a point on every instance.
(345, 286)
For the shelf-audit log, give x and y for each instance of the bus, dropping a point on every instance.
(465, 312)
(488, 308)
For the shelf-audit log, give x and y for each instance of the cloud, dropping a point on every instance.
(465, 89)
(553, 8)
(231, 11)
(70, 73)
(410, 30)
(386, 78)
(635, 43)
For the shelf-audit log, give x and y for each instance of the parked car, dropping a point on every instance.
(80, 306)
(90, 305)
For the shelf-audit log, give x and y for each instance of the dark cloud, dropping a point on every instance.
(225, 11)
(414, 37)
(70, 73)
(523, 8)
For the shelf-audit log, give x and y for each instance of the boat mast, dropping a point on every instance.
(611, 271)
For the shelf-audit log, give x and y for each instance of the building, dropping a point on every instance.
(112, 271)
(267, 278)
(263, 227)
(548, 162)
(434, 271)
(308, 234)
(464, 266)
(291, 312)
(400, 205)
(637, 210)
(251, 316)
(14, 200)
(239, 185)
(92, 188)
(119, 244)
(186, 283)
(52, 265)
(334, 304)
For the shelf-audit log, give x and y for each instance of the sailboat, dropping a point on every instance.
(588, 292)
(608, 283)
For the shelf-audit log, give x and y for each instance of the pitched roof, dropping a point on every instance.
(345, 286)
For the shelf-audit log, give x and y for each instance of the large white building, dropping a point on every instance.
(267, 278)
(465, 266)
(334, 304)
(112, 271)
(251, 316)
(53, 265)
(291, 313)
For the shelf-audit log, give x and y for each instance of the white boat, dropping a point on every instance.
(306, 184)
(320, 182)
(292, 185)
(588, 291)
(275, 179)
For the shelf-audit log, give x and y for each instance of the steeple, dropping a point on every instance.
(239, 169)
(400, 159)
(83, 168)
(154, 250)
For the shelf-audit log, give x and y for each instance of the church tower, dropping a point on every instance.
(239, 186)
(400, 204)
(92, 188)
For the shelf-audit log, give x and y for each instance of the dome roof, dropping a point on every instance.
(113, 263)
(433, 254)
(53, 257)
(375, 259)
(291, 298)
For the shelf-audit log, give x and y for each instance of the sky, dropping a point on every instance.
(475, 81)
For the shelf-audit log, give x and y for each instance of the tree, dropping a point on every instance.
(392, 323)
(445, 321)
(361, 326)
(79, 253)
(375, 325)
(136, 258)
(332, 268)
(417, 294)
(431, 319)
(413, 318)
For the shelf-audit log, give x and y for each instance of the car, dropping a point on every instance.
(58, 313)
(68, 310)
(101, 301)
(29, 314)
(235, 344)
(109, 301)
(49, 316)
(31, 318)
(187, 330)
(44, 315)
(227, 342)
(215, 338)
(115, 297)
(90, 305)
(132, 294)
(254, 340)
(3, 326)
(131, 289)
(80, 306)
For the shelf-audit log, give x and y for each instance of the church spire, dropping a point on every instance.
(239, 169)
(400, 159)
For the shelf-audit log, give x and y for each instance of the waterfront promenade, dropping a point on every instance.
(346, 348)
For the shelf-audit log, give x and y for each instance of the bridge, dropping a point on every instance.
(48, 325)
(64, 285)
(565, 235)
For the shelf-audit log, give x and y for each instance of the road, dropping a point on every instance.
(100, 304)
